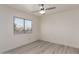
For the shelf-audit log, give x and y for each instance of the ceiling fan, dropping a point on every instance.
(43, 10)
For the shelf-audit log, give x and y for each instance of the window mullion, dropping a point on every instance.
(24, 25)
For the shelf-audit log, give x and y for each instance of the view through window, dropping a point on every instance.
(22, 25)
(28, 26)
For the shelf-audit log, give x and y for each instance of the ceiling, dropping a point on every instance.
(28, 8)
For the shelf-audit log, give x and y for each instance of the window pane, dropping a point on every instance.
(19, 25)
(28, 25)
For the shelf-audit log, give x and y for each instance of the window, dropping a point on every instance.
(28, 26)
(22, 25)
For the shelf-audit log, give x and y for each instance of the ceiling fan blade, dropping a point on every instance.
(35, 11)
(50, 8)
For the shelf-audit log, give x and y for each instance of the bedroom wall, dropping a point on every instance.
(8, 40)
(61, 28)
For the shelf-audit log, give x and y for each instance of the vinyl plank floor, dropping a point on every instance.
(43, 47)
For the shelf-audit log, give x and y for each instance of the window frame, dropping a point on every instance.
(24, 32)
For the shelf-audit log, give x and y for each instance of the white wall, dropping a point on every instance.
(7, 38)
(61, 28)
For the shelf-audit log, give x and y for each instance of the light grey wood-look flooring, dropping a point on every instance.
(43, 47)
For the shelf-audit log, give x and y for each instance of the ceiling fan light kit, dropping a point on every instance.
(42, 12)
